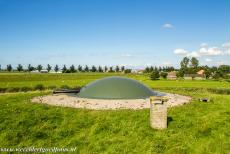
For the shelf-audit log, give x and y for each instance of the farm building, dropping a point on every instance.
(137, 71)
(35, 71)
(44, 71)
(199, 75)
(55, 72)
(172, 75)
(201, 72)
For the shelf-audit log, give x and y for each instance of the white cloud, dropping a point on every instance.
(193, 54)
(205, 50)
(226, 45)
(167, 25)
(210, 51)
(227, 52)
(181, 52)
(208, 60)
(203, 45)
(226, 48)
(221, 62)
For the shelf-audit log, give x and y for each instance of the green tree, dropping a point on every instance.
(147, 70)
(86, 68)
(164, 75)
(72, 69)
(154, 75)
(9, 68)
(64, 69)
(207, 73)
(39, 68)
(105, 68)
(100, 69)
(56, 68)
(79, 68)
(213, 69)
(151, 69)
(169, 69)
(184, 65)
(128, 71)
(111, 69)
(122, 68)
(224, 70)
(30, 68)
(217, 75)
(20, 68)
(180, 73)
(117, 69)
(160, 69)
(49, 67)
(93, 69)
(194, 63)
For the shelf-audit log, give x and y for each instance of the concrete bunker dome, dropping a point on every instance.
(116, 88)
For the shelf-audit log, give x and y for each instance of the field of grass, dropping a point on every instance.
(193, 128)
(80, 79)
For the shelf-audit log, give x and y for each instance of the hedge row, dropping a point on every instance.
(219, 91)
(225, 91)
(39, 87)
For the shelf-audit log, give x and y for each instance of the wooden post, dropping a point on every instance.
(158, 112)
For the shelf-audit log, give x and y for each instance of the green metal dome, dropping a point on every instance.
(116, 88)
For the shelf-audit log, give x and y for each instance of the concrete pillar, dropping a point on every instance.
(158, 112)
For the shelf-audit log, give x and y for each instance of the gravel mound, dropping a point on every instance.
(67, 100)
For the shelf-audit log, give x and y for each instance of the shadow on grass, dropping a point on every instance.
(169, 120)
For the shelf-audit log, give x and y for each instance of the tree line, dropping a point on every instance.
(65, 69)
(187, 66)
(190, 67)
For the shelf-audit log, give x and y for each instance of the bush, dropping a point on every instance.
(77, 87)
(128, 71)
(2, 90)
(179, 74)
(226, 76)
(219, 91)
(52, 87)
(164, 75)
(13, 89)
(65, 87)
(25, 89)
(67, 71)
(216, 76)
(154, 75)
(39, 87)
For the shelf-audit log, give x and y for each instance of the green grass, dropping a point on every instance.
(18, 80)
(193, 128)
(30, 80)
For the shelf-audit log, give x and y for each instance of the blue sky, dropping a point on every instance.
(133, 33)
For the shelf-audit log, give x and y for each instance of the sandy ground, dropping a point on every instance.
(101, 104)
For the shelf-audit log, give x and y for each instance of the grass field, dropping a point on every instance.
(193, 128)
(80, 79)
